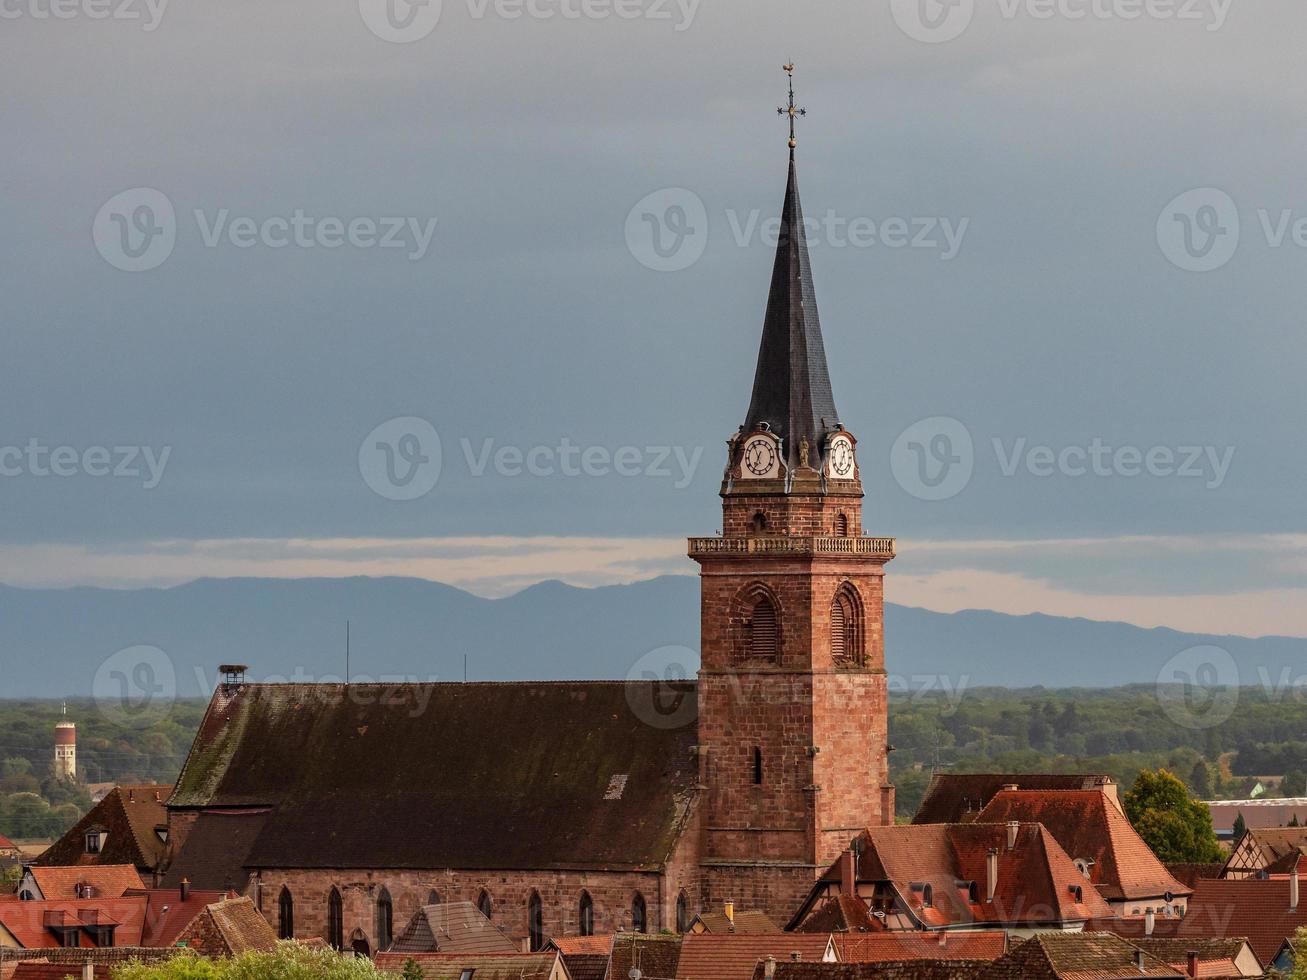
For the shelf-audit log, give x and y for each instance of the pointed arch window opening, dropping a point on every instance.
(587, 915)
(335, 920)
(385, 921)
(285, 914)
(535, 922)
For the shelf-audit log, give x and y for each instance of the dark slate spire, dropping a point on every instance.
(791, 389)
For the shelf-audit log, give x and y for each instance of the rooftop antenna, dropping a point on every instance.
(791, 110)
(347, 652)
(465, 668)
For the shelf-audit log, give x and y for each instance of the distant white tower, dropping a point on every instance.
(65, 748)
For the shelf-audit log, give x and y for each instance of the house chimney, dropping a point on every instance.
(131, 796)
(796, 956)
(991, 874)
(848, 874)
(729, 909)
(1150, 920)
(186, 889)
(1012, 827)
(1193, 964)
(1293, 890)
(88, 970)
(1139, 960)
(769, 968)
(1010, 787)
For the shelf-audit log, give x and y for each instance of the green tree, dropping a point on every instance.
(1240, 828)
(411, 970)
(1299, 969)
(289, 961)
(1175, 825)
(1200, 780)
(1294, 783)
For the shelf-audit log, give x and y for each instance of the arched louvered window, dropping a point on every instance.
(286, 914)
(385, 921)
(639, 914)
(759, 523)
(841, 525)
(682, 913)
(335, 920)
(535, 922)
(764, 630)
(846, 644)
(587, 917)
(484, 903)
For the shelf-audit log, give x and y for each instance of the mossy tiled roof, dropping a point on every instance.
(517, 775)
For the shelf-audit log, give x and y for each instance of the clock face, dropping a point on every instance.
(760, 456)
(841, 458)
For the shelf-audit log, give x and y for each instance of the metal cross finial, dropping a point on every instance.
(792, 111)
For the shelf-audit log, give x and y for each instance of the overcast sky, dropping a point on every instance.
(1077, 384)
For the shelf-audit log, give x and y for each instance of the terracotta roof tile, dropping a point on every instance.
(746, 922)
(237, 922)
(715, 957)
(1216, 957)
(1089, 826)
(953, 946)
(841, 913)
(488, 966)
(377, 775)
(577, 945)
(107, 880)
(1037, 882)
(28, 922)
(958, 797)
(1249, 908)
(903, 970)
(1189, 874)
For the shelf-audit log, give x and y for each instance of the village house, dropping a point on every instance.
(593, 807)
(1267, 852)
(128, 826)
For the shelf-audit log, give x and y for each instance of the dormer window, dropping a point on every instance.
(94, 841)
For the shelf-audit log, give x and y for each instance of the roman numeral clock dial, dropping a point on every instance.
(760, 457)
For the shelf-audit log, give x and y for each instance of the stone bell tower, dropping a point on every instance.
(792, 687)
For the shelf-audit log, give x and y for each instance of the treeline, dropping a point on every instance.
(33, 804)
(1213, 740)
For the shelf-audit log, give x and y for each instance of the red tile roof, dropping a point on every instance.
(886, 947)
(229, 928)
(166, 915)
(6, 844)
(745, 922)
(708, 956)
(1089, 826)
(901, 970)
(582, 945)
(452, 927)
(28, 922)
(1249, 908)
(958, 797)
(1037, 882)
(130, 817)
(656, 957)
(106, 880)
(488, 966)
(841, 913)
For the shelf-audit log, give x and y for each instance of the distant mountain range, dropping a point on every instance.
(54, 642)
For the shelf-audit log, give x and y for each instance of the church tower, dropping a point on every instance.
(792, 687)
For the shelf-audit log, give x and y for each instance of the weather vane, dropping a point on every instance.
(791, 110)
